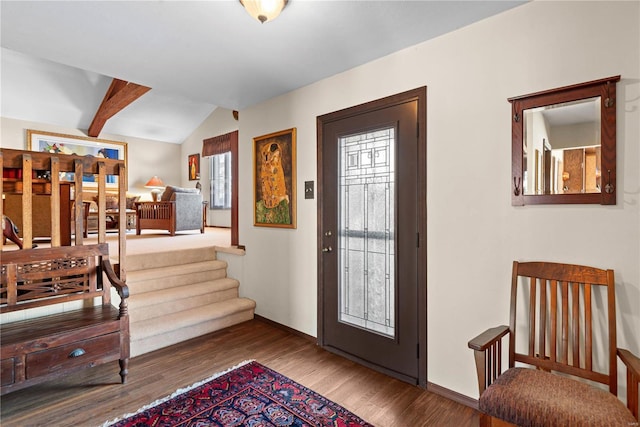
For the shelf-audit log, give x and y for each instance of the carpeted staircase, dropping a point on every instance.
(179, 295)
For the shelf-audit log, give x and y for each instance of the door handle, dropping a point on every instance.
(327, 249)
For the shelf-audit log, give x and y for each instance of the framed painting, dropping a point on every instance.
(78, 145)
(274, 183)
(194, 167)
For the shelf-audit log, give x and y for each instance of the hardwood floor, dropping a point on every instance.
(95, 395)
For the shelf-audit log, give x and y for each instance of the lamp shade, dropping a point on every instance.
(264, 10)
(154, 182)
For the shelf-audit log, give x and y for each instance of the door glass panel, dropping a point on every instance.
(366, 231)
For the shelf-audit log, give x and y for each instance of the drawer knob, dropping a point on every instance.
(77, 353)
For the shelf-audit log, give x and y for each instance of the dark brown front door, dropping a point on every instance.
(371, 209)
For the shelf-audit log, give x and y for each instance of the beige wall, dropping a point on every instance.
(145, 158)
(473, 231)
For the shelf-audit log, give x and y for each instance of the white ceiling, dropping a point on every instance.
(573, 113)
(58, 57)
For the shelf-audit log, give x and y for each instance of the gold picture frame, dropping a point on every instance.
(274, 179)
(52, 142)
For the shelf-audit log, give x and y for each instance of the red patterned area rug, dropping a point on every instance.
(249, 395)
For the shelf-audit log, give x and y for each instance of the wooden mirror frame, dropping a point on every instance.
(606, 90)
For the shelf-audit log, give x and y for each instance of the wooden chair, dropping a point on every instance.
(9, 231)
(569, 320)
(179, 209)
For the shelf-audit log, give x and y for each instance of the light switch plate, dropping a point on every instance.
(308, 190)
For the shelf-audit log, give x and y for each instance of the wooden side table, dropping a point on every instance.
(113, 214)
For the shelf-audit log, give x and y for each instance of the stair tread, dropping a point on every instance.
(144, 299)
(174, 270)
(182, 319)
(138, 313)
(159, 283)
(144, 261)
(151, 343)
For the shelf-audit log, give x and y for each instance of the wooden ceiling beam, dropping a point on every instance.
(119, 95)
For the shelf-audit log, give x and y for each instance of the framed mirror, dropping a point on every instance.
(564, 145)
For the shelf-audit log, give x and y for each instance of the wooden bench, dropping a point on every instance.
(42, 348)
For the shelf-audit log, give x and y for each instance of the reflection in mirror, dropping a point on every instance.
(563, 145)
(561, 148)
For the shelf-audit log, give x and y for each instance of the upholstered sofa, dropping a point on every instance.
(179, 209)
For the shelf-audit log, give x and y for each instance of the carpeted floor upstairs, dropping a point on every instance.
(179, 295)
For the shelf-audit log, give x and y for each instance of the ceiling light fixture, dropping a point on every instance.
(264, 10)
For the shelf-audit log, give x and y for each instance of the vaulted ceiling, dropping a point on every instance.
(58, 58)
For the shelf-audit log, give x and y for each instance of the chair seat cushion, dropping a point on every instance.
(529, 397)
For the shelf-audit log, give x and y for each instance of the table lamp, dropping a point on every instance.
(156, 185)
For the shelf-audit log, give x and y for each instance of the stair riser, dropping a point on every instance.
(186, 268)
(187, 318)
(173, 294)
(137, 314)
(164, 259)
(166, 282)
(168, 338)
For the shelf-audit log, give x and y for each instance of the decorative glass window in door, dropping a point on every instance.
(366, 231)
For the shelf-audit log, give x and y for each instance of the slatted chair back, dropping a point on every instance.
(564, 320)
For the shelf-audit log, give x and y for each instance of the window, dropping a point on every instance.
(220, 174)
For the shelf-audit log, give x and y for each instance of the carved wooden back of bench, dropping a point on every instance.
(39, 277)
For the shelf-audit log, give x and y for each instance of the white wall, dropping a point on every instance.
(473, 231)
(577, 135)
(219, 122)
(145, 157)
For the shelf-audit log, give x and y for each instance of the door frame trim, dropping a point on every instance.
(419, 95)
